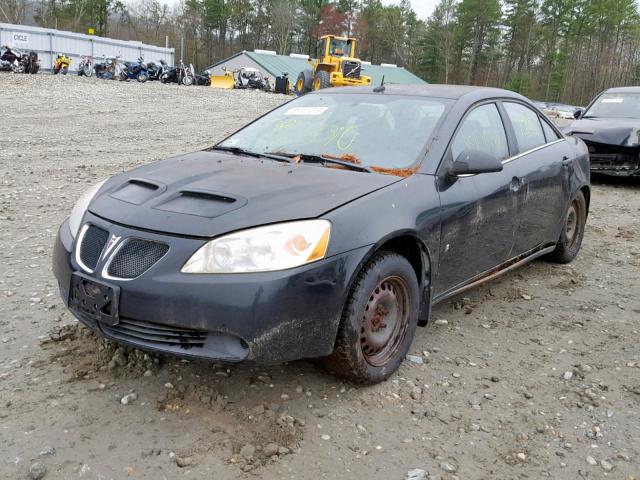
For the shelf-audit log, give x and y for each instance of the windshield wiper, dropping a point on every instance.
(313, 158)
(242, 151)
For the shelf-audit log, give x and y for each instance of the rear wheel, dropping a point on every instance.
(572, 233)
(378, 322)
(321, 80)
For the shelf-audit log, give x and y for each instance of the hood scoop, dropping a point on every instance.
(137, 191)
(201, 203)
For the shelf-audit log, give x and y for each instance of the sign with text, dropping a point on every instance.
(19, 38)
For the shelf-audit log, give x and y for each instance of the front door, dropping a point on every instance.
(480, 213)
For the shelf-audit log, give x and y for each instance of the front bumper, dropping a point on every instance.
(264, 318)
(612, 160)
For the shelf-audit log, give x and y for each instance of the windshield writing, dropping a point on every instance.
(370, 130)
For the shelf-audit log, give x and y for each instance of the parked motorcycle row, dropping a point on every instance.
(110, 68)
(113, 68)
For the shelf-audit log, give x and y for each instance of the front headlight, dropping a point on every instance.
(263, 249)
(81, 206)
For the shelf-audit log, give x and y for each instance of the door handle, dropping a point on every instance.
(566, 161)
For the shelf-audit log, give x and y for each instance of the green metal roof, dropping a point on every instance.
(276, 65)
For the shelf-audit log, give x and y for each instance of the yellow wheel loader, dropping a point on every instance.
(336, 66)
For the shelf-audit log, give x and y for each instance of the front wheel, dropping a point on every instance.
(88, 70)
(187, 80)
(378, 322)
(64, 70)
(321, 80)
(142, 77)
(572, 233)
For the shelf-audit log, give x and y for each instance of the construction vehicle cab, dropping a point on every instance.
(336, 66)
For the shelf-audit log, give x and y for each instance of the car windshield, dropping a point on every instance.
(615, 105)
(378, 130)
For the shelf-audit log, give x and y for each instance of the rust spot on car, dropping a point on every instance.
(347, 157)
(398, 172)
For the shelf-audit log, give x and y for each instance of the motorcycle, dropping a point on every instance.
(181, 75)
(109, 69)
(136, 70)
(154, 70)
(86, 66)
(61, 64)
(13, 60)
(31, 63)
(202, 79)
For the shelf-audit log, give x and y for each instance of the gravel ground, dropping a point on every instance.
(536, 374)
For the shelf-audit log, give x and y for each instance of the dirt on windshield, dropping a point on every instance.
(534, 375)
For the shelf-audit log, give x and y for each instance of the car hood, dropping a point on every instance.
(612, 131)
(208, 193)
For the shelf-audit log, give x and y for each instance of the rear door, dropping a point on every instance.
(479, 212)
(544, 161)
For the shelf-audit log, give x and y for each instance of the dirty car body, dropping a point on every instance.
(610, 126)
(127, 265)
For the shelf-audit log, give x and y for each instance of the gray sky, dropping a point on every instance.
(423, 8)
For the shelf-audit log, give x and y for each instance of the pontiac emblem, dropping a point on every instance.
(110, 244)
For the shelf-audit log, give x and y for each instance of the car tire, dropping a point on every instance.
(321, 80)
(378, 322)
(572, 233)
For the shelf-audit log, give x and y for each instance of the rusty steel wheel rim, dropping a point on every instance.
(384, 321)
(571, 225)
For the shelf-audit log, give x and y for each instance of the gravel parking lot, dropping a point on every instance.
(534, 375)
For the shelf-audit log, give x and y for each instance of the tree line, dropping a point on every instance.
(554, 50)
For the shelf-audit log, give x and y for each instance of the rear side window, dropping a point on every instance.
(549, 132)
(526, 126)
(482, 130)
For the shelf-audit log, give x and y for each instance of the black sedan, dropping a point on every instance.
(326, 228)
(610, 126)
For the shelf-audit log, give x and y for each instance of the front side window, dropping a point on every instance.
(482, 130)
(526, 126)
(386, 131)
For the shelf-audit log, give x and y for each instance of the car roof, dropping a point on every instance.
(454, 92)
(623, 90)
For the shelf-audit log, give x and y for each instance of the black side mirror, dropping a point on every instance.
(472, 162)
(577, 114)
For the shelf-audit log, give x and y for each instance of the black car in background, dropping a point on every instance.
(326, 228)
(610, 126)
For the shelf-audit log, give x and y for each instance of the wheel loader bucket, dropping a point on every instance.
(222, 81)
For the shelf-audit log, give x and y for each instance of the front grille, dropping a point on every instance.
(351, 69)
(613, 161)
(135, 257)
(91, 246)
(155, 334)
